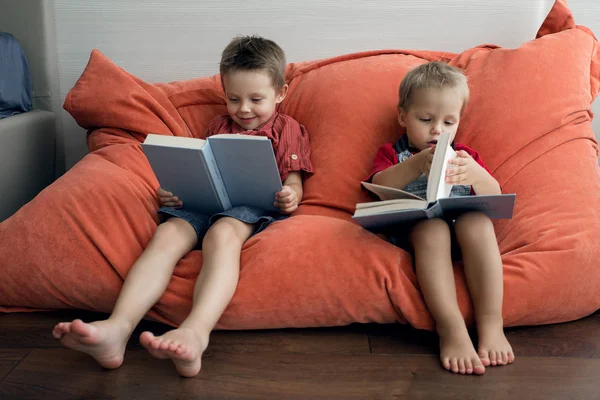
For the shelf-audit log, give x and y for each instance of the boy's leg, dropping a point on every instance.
(144, 285)
(221, 251)
(483, 271)
(431, 243)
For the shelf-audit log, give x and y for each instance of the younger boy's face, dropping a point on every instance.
(431, 112)
(251, 97)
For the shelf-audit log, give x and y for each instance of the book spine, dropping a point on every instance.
(217, 179)
(434, 211)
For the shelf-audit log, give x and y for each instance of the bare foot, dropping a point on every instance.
(184, 346)
(457, 352)
(103, 340)
(494, 348)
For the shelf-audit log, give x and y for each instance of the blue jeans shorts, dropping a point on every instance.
(201, 222)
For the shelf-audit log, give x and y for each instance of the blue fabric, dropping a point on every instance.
(15, 80)
(201, 222)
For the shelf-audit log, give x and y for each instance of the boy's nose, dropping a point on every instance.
(245, 107)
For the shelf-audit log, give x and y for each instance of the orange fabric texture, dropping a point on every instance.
(529, 117)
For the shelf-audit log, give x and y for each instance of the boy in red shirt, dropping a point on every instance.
(253, 75)
(433, 97)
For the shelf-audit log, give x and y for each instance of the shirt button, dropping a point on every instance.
(294, 157)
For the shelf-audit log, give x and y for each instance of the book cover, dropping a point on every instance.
(494, 206)
(185, 167)
(215, 174)
(248, 168)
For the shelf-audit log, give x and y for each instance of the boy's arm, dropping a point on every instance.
(400, 175)
(465, 170)
(290, 196)
(487, 186)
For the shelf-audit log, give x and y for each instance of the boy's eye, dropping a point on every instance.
(424, 119)
(233, 100)
(449, 123)
(256, 100)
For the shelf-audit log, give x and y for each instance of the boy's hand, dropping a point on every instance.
(286, 200)
(423, 160)
(167, 199)
(464, 170)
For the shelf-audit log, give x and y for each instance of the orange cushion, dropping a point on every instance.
(529, 117)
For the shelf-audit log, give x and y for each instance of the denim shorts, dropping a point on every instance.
(201, 222)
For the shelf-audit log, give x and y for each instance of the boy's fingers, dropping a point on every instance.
(286, 199)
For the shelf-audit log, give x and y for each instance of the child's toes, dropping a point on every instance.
(484, 356)
(478, 367)
(164, 345)
(462, 366)
(510, 357)
(493, 358)
(454, 365)
(469, 366)
(446, 363)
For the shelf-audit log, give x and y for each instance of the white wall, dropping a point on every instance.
(162, 41)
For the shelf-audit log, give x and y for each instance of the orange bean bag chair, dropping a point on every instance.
(529, 117)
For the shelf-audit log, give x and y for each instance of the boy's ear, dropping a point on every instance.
(402, 117)
(282, 93)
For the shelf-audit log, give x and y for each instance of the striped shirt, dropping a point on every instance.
(289, 138)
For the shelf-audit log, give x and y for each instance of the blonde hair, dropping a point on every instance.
(252, 53)
(434, 74)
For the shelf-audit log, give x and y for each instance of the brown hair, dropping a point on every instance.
(250, 53)
(434, 74)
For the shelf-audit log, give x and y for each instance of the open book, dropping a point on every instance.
(398, 206)
(218, 173)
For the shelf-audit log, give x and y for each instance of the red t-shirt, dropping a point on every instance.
(289, 138)
(388, 157)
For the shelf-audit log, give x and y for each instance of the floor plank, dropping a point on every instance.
(342, 340)
(9, 358)
(59, 373)
(28, 330)
(571, 339)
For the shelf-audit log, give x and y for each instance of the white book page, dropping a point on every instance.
(388, 193)
(437, 187)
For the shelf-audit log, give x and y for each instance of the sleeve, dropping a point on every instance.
(385, 158)
(292, 152)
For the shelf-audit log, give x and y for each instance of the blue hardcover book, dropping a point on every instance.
(397, 206)
(218, 173)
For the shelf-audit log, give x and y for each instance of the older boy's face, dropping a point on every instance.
(251, 97)
(431, 112)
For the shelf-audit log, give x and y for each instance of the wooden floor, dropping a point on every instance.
(354, 362)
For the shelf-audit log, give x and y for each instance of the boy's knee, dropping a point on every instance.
(473, 225)
(175, 228)
(226, 231)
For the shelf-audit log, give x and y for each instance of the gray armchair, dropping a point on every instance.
(27, 143)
